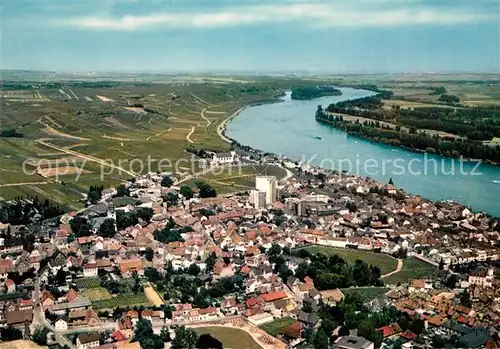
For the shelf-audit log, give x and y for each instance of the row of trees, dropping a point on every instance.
(419, 141)
(185, 338)
(24, 211)
(311, 92)
(333, 272)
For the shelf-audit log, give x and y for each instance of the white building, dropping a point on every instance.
(87, 340)
(267, 184)
(258, 198)
(224, 158)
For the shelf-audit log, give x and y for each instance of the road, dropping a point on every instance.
(398, 269)
(86, 157)
(39, 317)
(222, 126)
(202, 114)
(188, 137)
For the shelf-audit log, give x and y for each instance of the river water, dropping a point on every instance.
(289, 128)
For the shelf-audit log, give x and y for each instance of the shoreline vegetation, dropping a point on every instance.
(409, 128)
(312, 92)
(247, 148)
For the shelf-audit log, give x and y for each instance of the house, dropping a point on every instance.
(353, 342)
(308, 319)
(87, 340)
(332, 297)
(18, 318)
(260, 319)
(419, 285)
(61, 325)
(86, 317)
(223, 158)
(390, 330)
(482, 278)
(129, 266)
(10, 286)
(90, 270)
(376, 304)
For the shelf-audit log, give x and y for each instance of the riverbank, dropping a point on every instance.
(222, 128)
(386, 141)
(287, 129)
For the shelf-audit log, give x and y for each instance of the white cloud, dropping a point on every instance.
(316, 14)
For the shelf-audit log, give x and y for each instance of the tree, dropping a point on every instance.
(145, 213)
(274, 250)
(308, 335)
(320, 340)
(344, 331)
(185, 338)
(93, 197)
(172, 199)
(61, 277)
(206, 341)
(441, 264)
(122, 190)
(205, 190)
(186, 192)
(165, 334)
(40, 336)
(391, 182)
(194, 269)
(465, 299)
(210, 261)
(80, 226)
(10, 333)
(167, 181)
(107, 228)
(149, 254)
(145, 336)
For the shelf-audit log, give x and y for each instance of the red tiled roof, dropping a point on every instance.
(408, 335)
(245, 269)
(274, 296)
(389, 330)
(71, 295)
(251, 302)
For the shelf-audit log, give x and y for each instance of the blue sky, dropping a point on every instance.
(258, 36)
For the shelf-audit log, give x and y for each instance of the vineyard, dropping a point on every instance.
(88, 283)
(122, 300)
(96, 294)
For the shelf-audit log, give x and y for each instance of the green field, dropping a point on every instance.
(413, 268)
(122, 300)
(384, 262)
(96, 294)
(275, 327)
(231, 338)
(236, 178)
(365, 293)
(88, 282)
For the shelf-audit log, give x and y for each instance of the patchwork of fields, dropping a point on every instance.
(74, 137)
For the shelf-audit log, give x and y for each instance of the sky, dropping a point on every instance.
(349, 36)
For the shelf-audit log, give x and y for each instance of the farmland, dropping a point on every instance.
(115, 129)
(413, 268)
(383, 261)
(122, 300)
(275, 327)
(236, 178)
(230, 337)
(88, 282)
(96, 294)
(365, 293)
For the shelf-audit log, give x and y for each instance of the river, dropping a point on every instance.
(289, 128)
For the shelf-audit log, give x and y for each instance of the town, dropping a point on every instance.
(315, 259)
